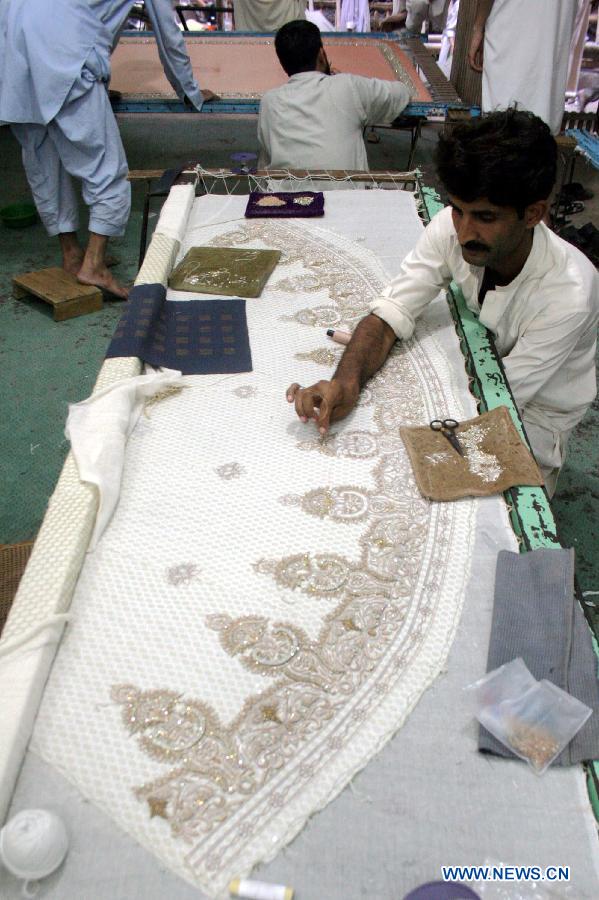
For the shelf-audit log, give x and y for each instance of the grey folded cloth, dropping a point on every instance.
(536, 616)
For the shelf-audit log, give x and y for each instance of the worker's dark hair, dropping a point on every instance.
(509, 157)
(297, 44)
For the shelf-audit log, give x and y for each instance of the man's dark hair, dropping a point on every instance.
(509, 157)
(297, 44)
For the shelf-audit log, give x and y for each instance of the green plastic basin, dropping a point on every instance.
(18, 215)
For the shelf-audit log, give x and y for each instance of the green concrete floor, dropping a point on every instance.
(46, 365)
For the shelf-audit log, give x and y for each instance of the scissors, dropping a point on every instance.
(447, 428)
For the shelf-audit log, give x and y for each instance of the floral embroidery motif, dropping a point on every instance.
(258, 645)
(348, 444)
(182, 574)
(316, 317)
(323, 574)
(323, 356)
(308, 282)
(228, 471)
(245, 390)
(343, 504)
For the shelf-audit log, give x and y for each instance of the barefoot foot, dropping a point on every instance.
(72, 260)
(102, 278)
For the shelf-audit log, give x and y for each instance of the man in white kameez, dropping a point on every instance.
(266, 15)
(316, 120)
(408, 16)
(522, 47)
(536, 293)
(54, 71)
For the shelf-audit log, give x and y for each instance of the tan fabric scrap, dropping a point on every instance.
(495, 458)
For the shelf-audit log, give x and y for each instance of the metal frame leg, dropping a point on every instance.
(143, 239)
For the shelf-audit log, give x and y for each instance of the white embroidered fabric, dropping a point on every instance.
(266, 606)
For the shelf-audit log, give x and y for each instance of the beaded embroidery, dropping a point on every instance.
(367, 600)
(328, 636)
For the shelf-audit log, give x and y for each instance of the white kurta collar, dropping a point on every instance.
(306, 76)
(498, 300)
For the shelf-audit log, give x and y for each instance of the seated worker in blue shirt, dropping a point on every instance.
(54, 70)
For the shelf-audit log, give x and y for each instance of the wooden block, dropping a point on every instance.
(62, 291)
(565, 142)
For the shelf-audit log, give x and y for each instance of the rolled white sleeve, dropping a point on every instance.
(424, 272)
(379, 100)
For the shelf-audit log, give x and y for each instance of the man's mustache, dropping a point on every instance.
(473, 245)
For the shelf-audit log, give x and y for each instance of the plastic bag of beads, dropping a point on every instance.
(505, 683)
(536, 725)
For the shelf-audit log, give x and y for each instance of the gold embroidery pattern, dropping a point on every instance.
(229, 471)
(182, 574)
(323, 356)
(376, 606)
(343, 504)
(245, 391)
(306, 282)
(348, 287)
(218, 767)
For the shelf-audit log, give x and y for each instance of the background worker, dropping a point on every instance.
(410, 16)
(522, 47)
(316, 120)
(266, 15)
(537, 294)
(54, 71)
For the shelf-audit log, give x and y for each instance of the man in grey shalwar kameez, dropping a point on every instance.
(54, 71)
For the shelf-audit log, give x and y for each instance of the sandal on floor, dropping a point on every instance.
(576, 191)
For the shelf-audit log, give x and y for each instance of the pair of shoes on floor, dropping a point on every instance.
(585, 238)
(576, 191)
(569, 207)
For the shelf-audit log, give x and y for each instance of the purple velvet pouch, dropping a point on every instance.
(293, 204)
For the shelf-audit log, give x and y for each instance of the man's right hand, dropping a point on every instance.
(325, 401)
(476, 48)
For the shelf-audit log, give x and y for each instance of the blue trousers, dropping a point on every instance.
(82, 142)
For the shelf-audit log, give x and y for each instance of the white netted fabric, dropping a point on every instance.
(267, 605)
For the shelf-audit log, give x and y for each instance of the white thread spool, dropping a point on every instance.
(259, 890)
(33, 844)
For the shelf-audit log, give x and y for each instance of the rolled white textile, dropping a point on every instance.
(98, 429)
(175, 212)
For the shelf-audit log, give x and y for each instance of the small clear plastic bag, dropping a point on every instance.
(536, 725)
(505, 683)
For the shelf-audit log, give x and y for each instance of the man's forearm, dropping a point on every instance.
(483, 9)
(366, 352)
